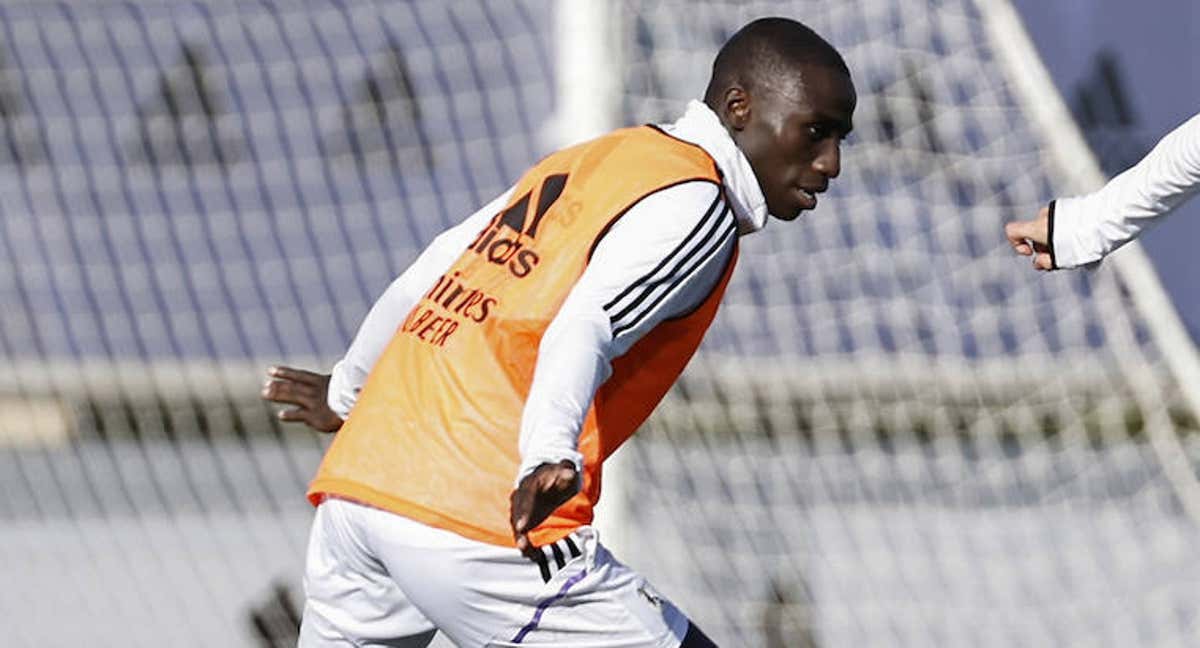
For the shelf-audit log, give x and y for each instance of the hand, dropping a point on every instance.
(307, 391)
(1032, 238)
(548, 487)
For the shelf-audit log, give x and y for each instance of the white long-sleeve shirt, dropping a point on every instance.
(1084, 229)
(661, 259)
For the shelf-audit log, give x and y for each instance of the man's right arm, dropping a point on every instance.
(322, 401)
(1076, 231)
(393, 306)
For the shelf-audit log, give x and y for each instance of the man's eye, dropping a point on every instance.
(818, 132)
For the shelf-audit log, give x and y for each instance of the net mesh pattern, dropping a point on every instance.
(894, 434)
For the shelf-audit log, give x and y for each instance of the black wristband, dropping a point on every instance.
(1050, 236)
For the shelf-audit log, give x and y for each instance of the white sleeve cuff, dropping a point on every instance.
(1087, 228)
(1073, 235)
(342, 392)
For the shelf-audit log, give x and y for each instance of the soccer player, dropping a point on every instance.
(526, 344)
(1072, 232)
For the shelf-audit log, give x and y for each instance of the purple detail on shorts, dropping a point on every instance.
(541, 608)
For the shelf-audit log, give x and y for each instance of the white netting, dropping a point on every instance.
(896, 433)
(190, 191)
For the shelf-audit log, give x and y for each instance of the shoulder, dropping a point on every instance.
(673, 222)
(648, 152)
(681, 206)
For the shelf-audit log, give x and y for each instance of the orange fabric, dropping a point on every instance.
(433, 435)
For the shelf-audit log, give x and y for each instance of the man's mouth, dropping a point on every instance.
(808, 199)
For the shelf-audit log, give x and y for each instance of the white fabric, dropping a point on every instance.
(1087, 228)
(349, 374)
(624, 293)
(575, 352)
(701, 126)
(378, 579)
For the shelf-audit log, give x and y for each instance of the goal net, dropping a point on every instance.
(189, 193)
(895, 433)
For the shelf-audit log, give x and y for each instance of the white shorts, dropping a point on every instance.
(374, 578)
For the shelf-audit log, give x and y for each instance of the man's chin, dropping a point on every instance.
(794, 215)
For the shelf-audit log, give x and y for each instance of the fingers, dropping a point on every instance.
(1031, 238)
(522, 504)
(525, 545)
(1026, 237)
(282, 388)
(297, 375)
(1041, 258)
(538, 495)
(1018, 235)
(307, 391)
(566, 481)
(519, 510)
(288, 393)
(525, 505)
(293, 415)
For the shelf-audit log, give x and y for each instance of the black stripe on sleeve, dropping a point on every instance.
(559, 559)
(1050, 236)
(687, 241)
(682, 271)
(729, 232)
(693, 244)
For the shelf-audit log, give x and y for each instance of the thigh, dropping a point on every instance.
(316, 631)
(485, 595)
(349, 598)
(600, 603)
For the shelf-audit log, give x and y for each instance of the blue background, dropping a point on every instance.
(1156, 46)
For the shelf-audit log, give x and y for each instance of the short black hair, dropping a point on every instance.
(765, 51)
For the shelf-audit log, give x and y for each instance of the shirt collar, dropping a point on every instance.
(699, 125)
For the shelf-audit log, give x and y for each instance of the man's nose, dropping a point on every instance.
(829, 162)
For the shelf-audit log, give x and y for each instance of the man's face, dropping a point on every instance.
(792, 134)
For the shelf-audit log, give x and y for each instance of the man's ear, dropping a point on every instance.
(735, 106)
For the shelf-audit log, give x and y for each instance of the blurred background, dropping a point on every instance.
(1130, 76)
(894, 434)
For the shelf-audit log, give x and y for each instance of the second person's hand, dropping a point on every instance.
(1032, 238)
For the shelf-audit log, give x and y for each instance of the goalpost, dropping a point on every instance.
(1038, 96)
(896, 433)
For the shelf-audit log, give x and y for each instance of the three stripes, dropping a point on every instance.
(560, 559)
(641, 298)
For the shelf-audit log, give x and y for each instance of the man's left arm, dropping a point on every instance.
(660, 260)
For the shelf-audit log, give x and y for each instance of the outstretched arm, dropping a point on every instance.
(660, 260)
(1071, 232)
(315, 398)
(350, 373)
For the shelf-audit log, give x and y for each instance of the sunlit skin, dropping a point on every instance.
(792, 133)
(1031, 238)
